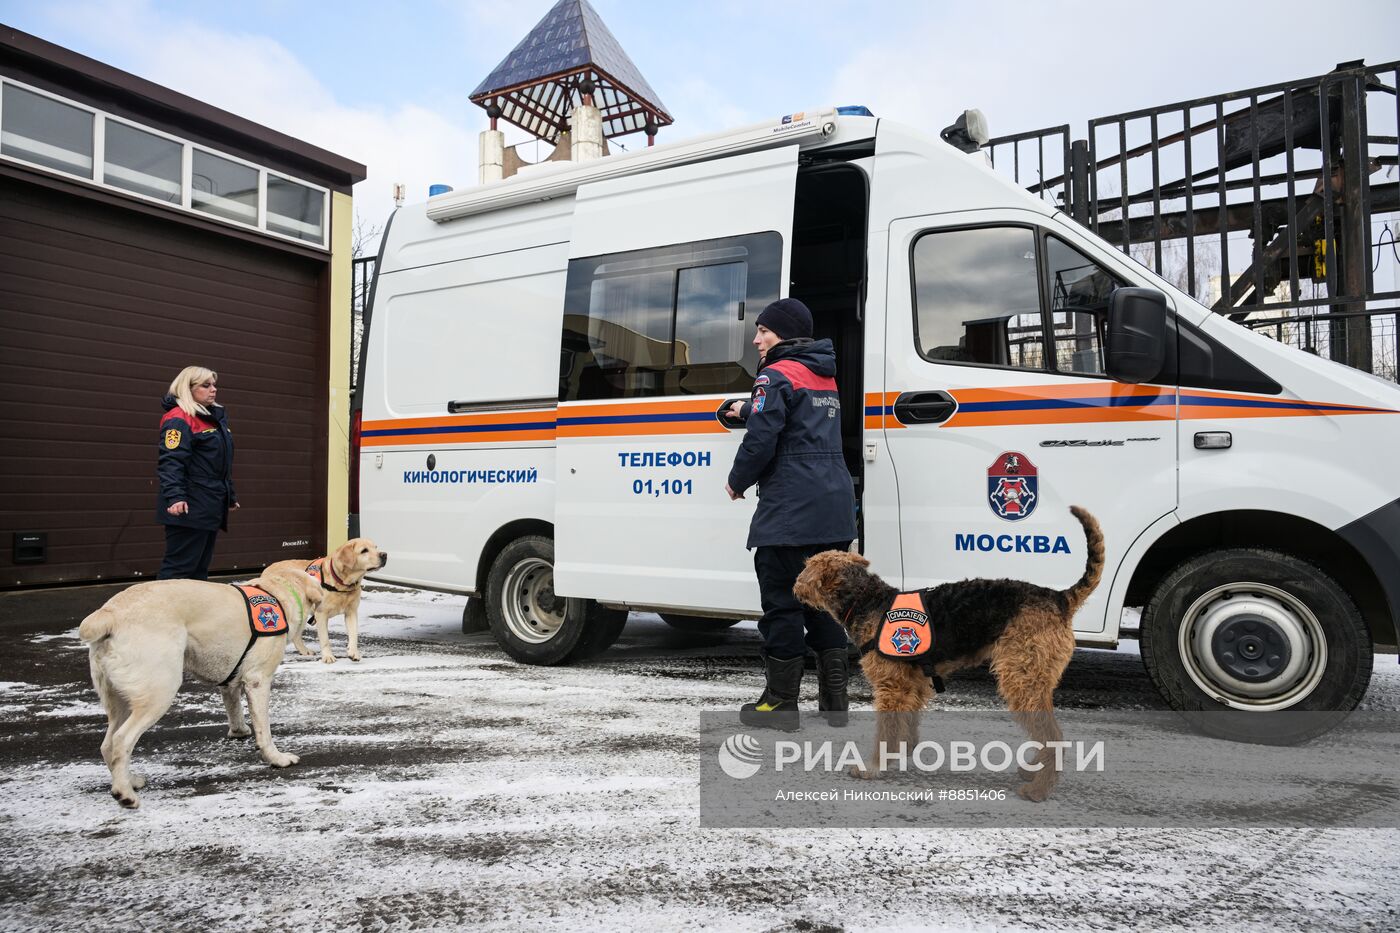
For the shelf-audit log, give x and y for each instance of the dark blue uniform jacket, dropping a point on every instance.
(792, 450)
(195, 466)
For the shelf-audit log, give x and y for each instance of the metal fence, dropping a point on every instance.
(1274, 205)
(1039, 160)
(1320, 334)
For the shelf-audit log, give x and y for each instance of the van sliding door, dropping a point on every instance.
(667, 271)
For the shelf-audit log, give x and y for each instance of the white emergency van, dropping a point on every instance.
(548, 360)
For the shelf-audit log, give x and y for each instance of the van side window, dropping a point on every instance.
(1079, 290)
(666, 321)
(977, 297)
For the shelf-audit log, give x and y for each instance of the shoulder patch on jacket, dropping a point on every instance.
(803, 378)
(172, 439)
(195, 423)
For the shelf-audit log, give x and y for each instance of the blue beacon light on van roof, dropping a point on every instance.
(435, 190)
(854, 110)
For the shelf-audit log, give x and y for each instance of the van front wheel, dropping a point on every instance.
(1256, 645)
(528, 620)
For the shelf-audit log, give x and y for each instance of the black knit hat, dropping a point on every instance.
(788, 318)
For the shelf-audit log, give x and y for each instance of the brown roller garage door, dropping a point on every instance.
(100, 306)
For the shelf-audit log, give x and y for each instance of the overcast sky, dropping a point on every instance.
(387, 84)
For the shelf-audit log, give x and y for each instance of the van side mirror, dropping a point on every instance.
(1137, 334)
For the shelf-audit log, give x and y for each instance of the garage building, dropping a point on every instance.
(142, 231)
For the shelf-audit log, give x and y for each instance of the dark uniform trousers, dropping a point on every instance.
(187, 553)
(785, 620)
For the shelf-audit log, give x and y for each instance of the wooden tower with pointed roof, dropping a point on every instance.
(570, 59)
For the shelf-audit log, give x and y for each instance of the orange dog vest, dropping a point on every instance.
(905, 633)
(265, 619)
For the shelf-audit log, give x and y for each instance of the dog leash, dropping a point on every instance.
(253, 639)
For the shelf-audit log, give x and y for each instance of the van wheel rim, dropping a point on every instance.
(1252, 646)
(532, 612)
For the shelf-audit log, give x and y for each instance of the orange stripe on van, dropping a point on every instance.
(1102, 403)
(490, 417)
(438, 440)
(486, 427)
(677, 417)
(1065, 403)
(878, 410)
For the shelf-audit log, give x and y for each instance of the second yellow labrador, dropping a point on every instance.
(339, 574)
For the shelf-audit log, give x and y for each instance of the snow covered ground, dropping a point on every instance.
(442, 785)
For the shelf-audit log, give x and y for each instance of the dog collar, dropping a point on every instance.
(314, 569)
(330, 567)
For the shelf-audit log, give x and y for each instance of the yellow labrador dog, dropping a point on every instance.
(339, 574)
(143, 640)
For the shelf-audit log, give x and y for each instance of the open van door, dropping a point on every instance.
(667, 271)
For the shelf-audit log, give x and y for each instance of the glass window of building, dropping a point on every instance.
(46, 132)
(141, 162)
(295, 210)
(224, 188)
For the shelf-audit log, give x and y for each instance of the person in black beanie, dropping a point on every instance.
(792, 452)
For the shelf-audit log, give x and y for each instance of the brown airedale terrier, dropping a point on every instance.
(1026, 631)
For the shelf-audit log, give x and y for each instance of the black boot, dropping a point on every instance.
(833, 672)
(777, 706)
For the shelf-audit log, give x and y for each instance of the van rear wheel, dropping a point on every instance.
(1256, 646)
(528, 620)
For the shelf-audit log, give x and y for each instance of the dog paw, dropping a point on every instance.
(239, 735)
(304, 651)
(354, 656)
(863, 774)
(127, 799)
(282, 760)
(1032, 792)
(138, 781)
(328, 658)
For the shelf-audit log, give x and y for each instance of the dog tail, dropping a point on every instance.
(96, 626)
(1093, 566)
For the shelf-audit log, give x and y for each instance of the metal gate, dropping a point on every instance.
(1277, 205)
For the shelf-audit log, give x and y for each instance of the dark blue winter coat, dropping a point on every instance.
(195, 466)
(792, 450)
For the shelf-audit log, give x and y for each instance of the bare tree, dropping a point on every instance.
(364, 246)
(364, 239)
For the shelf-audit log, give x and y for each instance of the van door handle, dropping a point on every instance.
(924, 407)
(722, 413)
